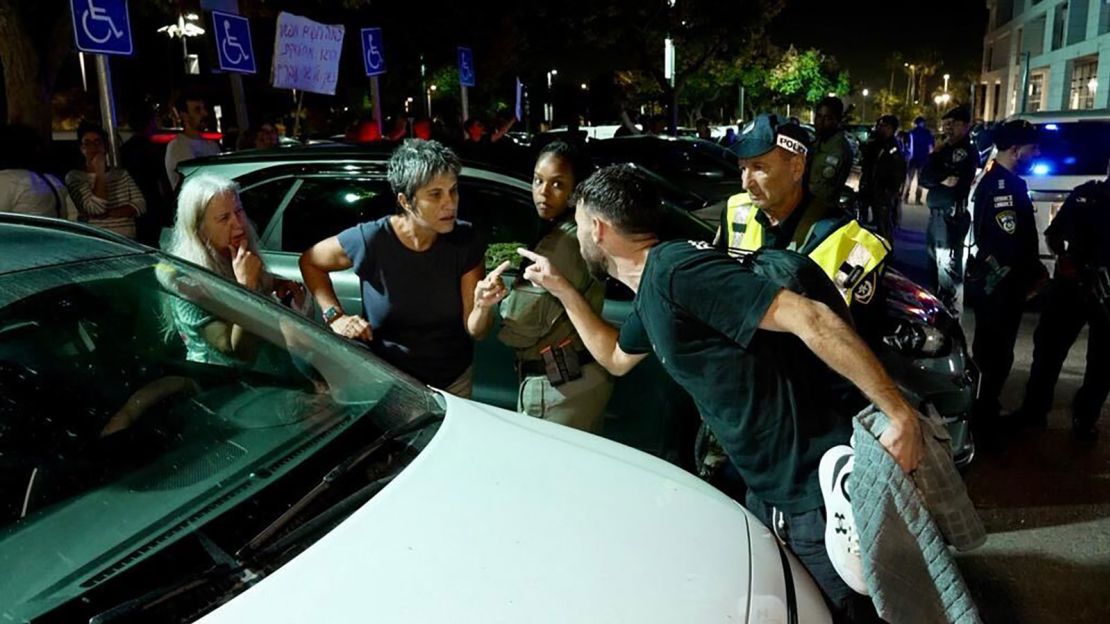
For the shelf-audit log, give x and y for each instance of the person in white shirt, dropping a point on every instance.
(189, 144)
(105, 196)
(23, 189)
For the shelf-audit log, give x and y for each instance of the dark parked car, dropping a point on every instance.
(702, 167)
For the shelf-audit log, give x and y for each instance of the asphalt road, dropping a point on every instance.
(1045, 498)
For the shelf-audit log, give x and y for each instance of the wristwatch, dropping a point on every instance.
(331, 314)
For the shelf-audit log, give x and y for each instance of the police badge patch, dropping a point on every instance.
(959, 155)
(1007, 220)
(865, 291)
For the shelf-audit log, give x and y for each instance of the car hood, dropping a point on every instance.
(504, 518)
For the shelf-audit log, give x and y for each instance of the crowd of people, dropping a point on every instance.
(762, 327)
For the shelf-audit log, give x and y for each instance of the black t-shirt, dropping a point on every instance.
(413, 300)
(772, 404)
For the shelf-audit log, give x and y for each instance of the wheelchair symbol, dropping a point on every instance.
(373, 56)
(465, 70)
(97, 14)
(231, 41)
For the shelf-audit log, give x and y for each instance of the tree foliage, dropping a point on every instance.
(807, 76)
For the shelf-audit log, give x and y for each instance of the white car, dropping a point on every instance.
(312, 482)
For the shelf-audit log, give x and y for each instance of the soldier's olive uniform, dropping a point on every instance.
(534, 320)
(830, 164)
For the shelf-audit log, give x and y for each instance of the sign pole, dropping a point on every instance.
(376, 96)
(107, 107)
(240, 101)
(297, 117)
(465, 105)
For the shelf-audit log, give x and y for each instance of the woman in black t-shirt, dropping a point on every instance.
(425, 295)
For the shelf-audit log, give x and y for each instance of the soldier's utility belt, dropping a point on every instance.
(559, 363)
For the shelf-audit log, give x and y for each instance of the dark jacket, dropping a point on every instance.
(958, 159)
(883, 172)
(1005, 228)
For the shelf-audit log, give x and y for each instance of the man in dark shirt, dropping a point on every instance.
(1080, 295)
(762, 362)
(918, 146)
(948, 175)
(883, 174)
(1005, 267)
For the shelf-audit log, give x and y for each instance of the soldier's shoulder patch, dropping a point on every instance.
(1007, 220)
(865, 290)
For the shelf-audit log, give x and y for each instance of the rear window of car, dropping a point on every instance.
(1080, 148)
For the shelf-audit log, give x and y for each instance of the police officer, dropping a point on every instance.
(777, 211)
(948, 175)
(883, 174)
(1080, 294)
(831, 158)
(559, 381)
(1005, 266)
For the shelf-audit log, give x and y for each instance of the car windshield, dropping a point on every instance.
(118, 439)
(1080, 148)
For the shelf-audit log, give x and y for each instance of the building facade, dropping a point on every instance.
(1059, 50)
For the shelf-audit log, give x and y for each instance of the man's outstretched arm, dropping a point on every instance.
(599, 337)
(839, 346)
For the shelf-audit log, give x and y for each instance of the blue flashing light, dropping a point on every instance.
(1041, 169)
(1070, 160)
(1052, 127)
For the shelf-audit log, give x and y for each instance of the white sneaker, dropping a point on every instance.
(841, 538)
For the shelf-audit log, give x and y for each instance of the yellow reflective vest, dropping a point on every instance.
(848, 254)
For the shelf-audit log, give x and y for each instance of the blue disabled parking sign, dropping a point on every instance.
(466, 67)
(233, 43)
(101, 26)
(373, 51)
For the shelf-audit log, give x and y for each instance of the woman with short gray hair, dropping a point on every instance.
(425, 295)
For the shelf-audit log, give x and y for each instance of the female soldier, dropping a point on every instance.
(559, 381)
(424, 295)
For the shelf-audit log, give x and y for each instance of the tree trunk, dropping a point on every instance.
(27, 95)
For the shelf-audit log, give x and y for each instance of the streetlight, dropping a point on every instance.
(550, 103)
(431, 90)
(946, 77)
(585, 87)
(184, 28)
(863, 117)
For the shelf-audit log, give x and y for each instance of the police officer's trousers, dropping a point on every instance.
(944, 241)
(579, 404)
(1067, 310)
(997, 321)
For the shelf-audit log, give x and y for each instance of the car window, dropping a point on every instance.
(1079, 148)
(504, 217)
(325, 206)
(261, 200)
(119, 440)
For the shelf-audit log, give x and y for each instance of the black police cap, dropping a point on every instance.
(1017, 132)
(960, 113)
(765, 133)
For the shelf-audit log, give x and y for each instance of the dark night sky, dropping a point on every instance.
(862, 34)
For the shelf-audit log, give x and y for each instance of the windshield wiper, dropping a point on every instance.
(226, 568)
(333, 475)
